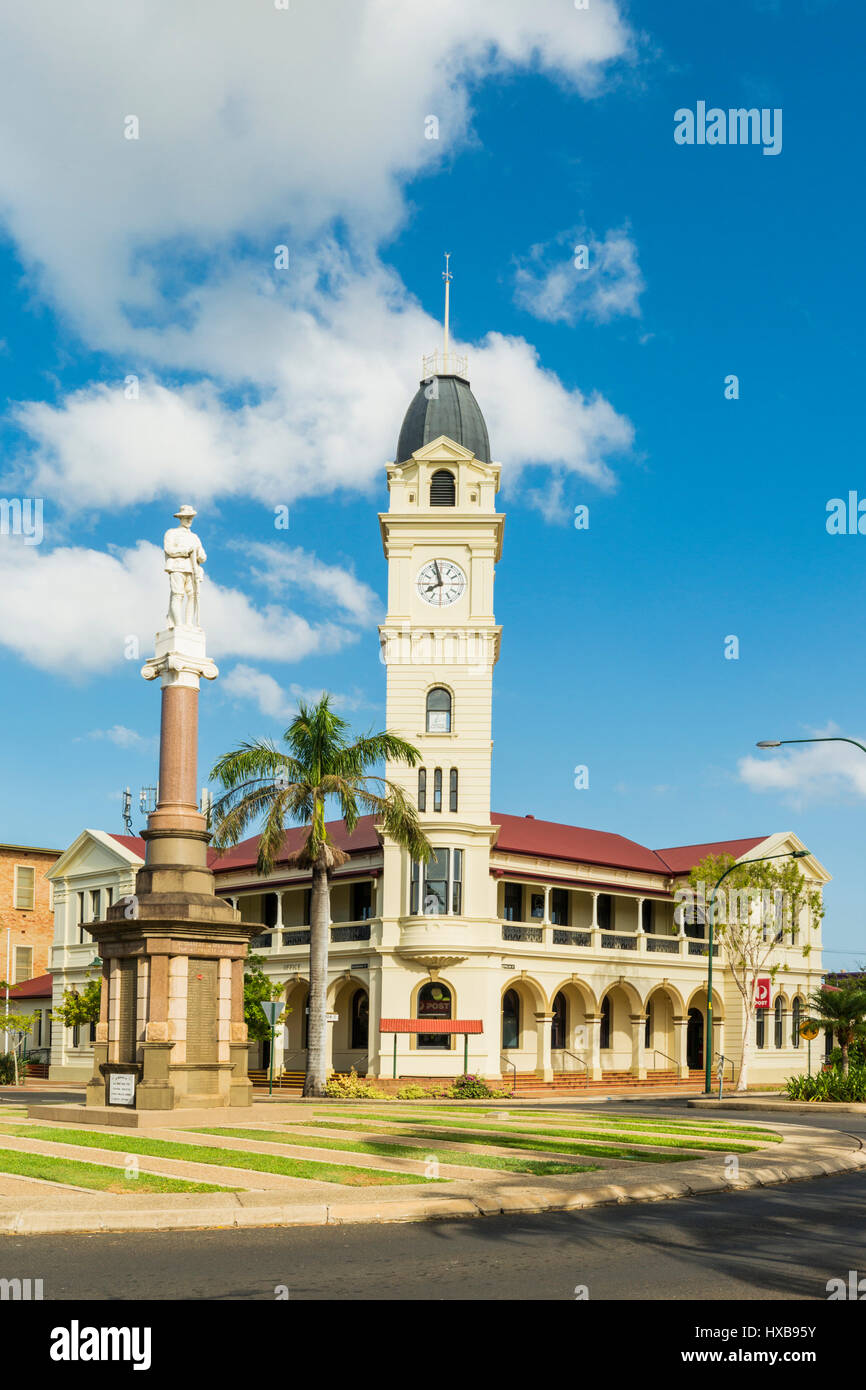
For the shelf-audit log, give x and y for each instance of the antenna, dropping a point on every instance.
(127, 810)
(447, 277)
(147, 800)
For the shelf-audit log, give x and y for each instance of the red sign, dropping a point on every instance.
(762, 992)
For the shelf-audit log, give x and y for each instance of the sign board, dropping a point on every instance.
(271, 1008)
(762, 992)
(121, 1088)
(332, 1018)
(809, 1031)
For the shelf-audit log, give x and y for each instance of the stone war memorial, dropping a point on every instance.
(171, 1034)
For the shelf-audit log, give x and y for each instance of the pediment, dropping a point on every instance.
(93, 852)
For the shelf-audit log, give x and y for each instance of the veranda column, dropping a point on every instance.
(544, 1064)
(593, 1046)
(681, 1046)
(638, 1057)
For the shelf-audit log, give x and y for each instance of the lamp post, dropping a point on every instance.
(828, 738)
(708, 1041)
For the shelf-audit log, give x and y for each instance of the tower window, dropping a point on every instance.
(437, 789)
(438, 711)
(443, 490)
(452, 791)
(422, 789)
(437, 886)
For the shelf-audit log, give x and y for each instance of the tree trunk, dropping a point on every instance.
(743, 1078)
(843, 1043)
(317, 1036)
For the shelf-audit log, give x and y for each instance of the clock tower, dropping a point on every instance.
(442, 537)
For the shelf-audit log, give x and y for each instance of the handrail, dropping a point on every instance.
(584, 1064)
(513, 1065)
(656, 1051)
(723, 1059)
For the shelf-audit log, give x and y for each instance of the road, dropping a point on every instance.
(775, 1243)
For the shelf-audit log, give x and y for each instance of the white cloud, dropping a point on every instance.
(549, 285)
(812, 772)
(73, 611)
(122, 737)
(286, 569)
(160, 250)
(273, 700)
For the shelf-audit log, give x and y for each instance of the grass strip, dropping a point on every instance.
(517, 1141)
(709, 1146)
(539, 1167)
(94, 1175)
(604, 1121)
(224, 1158)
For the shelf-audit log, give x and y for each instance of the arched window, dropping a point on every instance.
(778, 1037)
(452, 792)
(422, 789)
(437, 789)
(559, 1026)
(434, 1001)
(510, 1019)
(648, 1026)
(604, 1031)
(443, 491)
(360, 1018)
(438, 710)
(796, 1020)
(760, 1028)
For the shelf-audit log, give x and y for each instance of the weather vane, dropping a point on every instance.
(447, 277)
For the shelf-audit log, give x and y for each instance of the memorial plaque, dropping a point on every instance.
(121, 1088)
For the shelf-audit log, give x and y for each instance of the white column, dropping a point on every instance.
(593, 1046)
(638, 1058)
(543, 1025)
(641, 934)
(595, 930)
(680, 1052)
(546, 904)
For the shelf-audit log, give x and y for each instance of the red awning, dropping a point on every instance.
(431, 1025)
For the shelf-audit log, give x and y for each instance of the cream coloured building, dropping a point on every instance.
(557, 947)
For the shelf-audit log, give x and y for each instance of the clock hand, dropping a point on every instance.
(439, 572)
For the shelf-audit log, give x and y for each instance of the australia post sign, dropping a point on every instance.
(762, 992)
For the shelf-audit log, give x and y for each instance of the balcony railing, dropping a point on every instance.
(358, 931)
(701, 948)
(571, 938)
(511, 932)
(670, 944)
(612, 941)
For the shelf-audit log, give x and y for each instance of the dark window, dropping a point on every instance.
(605, 904)
(760, 1028)
(443, 492)
(110, 897)
(646, 915)
(95, 900)
(434, 1001)
(362, 902)
(308, 900)
(512, 907)
(360, 1018)
(457, 884)
(510, 1019)
(437, 789)
(438, 710)
(452, 792)
(648, 1027)
(559, 907)
(558, 1028)
(269, 909)
(604, 1030)
(693, 919)
(536, 906)
(93, 1032)
(414, 906)
(76, 1034)
(778, 1035)
(422, 789)
(796, 1021)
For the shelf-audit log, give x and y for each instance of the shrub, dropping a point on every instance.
(829, 1086)
(472, 1088)
(414, 1093)
(7, 1069)
(352, 1087)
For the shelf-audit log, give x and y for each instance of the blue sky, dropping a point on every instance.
(259, 388)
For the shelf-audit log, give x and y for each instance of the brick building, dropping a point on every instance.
(26, 911)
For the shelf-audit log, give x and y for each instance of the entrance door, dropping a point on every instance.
(558, 1027)
(695, 1040)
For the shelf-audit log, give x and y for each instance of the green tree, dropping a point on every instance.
(262, 782)
(78, 1007)
(15, 1027)
(759, 908)
(257, 987)
(842, 1009)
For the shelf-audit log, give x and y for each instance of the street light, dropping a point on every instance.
(834, 738)
(708, 1042)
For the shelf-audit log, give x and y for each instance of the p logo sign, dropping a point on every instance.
(762, 992)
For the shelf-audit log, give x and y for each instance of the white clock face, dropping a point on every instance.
(441, 583)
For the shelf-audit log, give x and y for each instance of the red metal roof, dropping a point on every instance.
(37, 988)
(681, 858)
(548, 840)
(244, 855)
(431, 1025)
(130, 842)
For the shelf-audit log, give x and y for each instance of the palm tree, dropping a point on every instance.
(842, 1010)
(260, 780)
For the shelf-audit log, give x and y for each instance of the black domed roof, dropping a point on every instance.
(452, 411)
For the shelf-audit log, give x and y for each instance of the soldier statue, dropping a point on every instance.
(184, 557)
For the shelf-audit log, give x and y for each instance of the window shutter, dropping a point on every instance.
(23, 963)
(25, 887)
